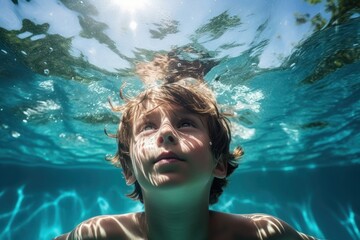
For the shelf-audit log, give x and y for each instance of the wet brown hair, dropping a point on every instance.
(196, 98)
(171, 67)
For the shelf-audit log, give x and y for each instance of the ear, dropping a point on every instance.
(220, 169)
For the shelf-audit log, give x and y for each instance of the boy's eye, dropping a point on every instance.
(148, 127)
(186, 124)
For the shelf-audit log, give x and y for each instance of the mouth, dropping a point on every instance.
(167, 157)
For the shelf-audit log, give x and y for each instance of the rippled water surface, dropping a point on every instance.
(289, 70)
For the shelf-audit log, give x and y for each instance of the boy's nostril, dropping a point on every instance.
(166, 139)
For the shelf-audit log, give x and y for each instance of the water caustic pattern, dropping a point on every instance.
(104, 227)
(288, 71)
(55, 208)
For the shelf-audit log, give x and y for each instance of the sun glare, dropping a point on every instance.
(133, 25)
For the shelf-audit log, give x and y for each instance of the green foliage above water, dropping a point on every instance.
(164, 28)
(218, 25)
(333, 62)
(340, 10)
(83, 7)
(50, 54)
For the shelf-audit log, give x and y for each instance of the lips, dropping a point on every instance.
(168, 156)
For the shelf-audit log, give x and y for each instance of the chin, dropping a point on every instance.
(169, 181)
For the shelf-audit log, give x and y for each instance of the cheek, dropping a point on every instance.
(200, 149)
(142, 149)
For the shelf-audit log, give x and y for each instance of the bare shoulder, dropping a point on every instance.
(255, 226)
(124, 226)
(270, 227)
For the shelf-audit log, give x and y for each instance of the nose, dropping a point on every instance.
(167, 134)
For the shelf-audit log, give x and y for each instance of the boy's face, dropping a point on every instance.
(171, 147)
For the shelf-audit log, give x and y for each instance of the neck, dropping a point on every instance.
(173, 220)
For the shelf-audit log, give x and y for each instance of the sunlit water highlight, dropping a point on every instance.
(295, 95)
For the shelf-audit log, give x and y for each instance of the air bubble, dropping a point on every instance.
(46, 71)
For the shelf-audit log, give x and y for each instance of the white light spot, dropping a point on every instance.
(92, 51)
(24, 35)
(15, 134)
(47, 85)
(37, 37)
(133, 25)
(270, 229)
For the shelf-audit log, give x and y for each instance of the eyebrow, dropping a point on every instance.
(142, 117)
(176, 111)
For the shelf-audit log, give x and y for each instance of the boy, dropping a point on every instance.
(173, 145)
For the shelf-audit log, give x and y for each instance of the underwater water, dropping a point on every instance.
(289, 70)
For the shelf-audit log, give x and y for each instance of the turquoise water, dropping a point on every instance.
(293, 84)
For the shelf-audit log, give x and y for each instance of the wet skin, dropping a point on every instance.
(171, 148)
(172, 161)
(221, 227)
